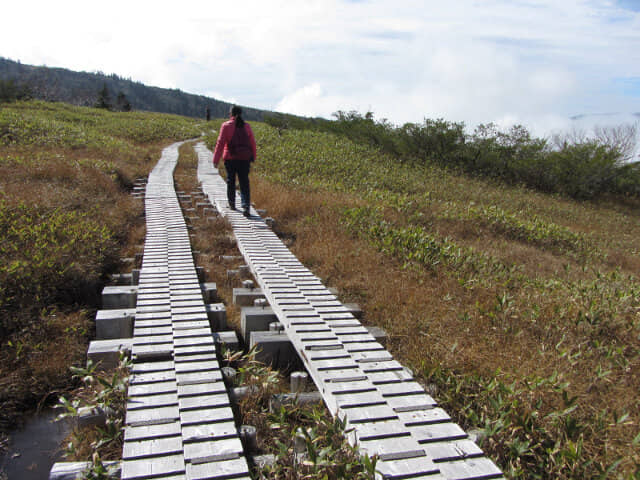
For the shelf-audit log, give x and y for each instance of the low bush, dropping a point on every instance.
(576, 166)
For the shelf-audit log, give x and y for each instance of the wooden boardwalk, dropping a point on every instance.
(179, 423)
(390, 413)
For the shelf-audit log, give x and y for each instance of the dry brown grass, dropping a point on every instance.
(432, 320)
(34, 363)
(35, 359)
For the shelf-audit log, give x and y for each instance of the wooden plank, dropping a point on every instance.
(235, 468)
(469, 469)
(206, 431)
(153, 415)
(153, 447)
(151, 401)
(169, 429)
(142, 469)
(206, 415)
(213, 450)
(204, 401)
(206, 388)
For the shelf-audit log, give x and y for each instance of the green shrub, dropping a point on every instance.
(49, 256)
(581, 168)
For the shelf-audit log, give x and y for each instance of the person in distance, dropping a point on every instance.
(236, 145)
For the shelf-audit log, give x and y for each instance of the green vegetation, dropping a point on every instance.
(10, 91)
(520, 307)
(84, 88)
(105, 393)
(577, 166)
(305, 440)
(66, 218)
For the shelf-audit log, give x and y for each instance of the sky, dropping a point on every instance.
(530, 62)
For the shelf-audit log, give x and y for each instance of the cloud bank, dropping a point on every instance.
(521, 61)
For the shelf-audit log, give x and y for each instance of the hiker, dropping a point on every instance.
(236, 145)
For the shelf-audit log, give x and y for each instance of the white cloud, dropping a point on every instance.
(502, 61)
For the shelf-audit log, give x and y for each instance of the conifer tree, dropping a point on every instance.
(104, 98)
(122, 103)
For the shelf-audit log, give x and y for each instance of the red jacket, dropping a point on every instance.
(225, 136)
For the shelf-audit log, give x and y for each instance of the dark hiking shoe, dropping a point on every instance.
(246, 212)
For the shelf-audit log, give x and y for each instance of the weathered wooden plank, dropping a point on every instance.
(207, 431)
(151, 401)
(143, 432)
(204, 401)
(235, 468)
(206, 415)
(153, 447)
(152, 415)
(469, 469)
(143, 468)
(213, 450)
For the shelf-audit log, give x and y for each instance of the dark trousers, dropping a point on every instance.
(239, 168)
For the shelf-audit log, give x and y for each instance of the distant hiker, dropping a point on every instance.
(207, 113)
(237, 147)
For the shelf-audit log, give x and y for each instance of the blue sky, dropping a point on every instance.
(478, 61)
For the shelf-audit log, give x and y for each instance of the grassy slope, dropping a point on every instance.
(66, 218)
(521, 309)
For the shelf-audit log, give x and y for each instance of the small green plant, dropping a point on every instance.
(317, 449)
(107, 393)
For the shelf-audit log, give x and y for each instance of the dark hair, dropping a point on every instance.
(236, 112)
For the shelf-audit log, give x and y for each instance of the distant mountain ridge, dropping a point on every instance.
(82, 88)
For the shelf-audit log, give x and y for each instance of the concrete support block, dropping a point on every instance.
(255, 319)
(285, 399)
(135, 276)
(217, 314)
(122, 279)
(201, 274)
(106, 353)
(229, 339)
(249, 437)
(75, 470)
(240, 393)
(378, 333)
(93, 416)
(244, 297)
(275, 349)
(114, 323)
(209, 292)
(119, 296)
(354, 309)
(298, 381)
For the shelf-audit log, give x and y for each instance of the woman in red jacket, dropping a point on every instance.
(236, 145)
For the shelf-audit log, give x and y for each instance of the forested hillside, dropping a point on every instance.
(83, 89)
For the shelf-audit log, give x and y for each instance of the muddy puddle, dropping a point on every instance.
(34, 449)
